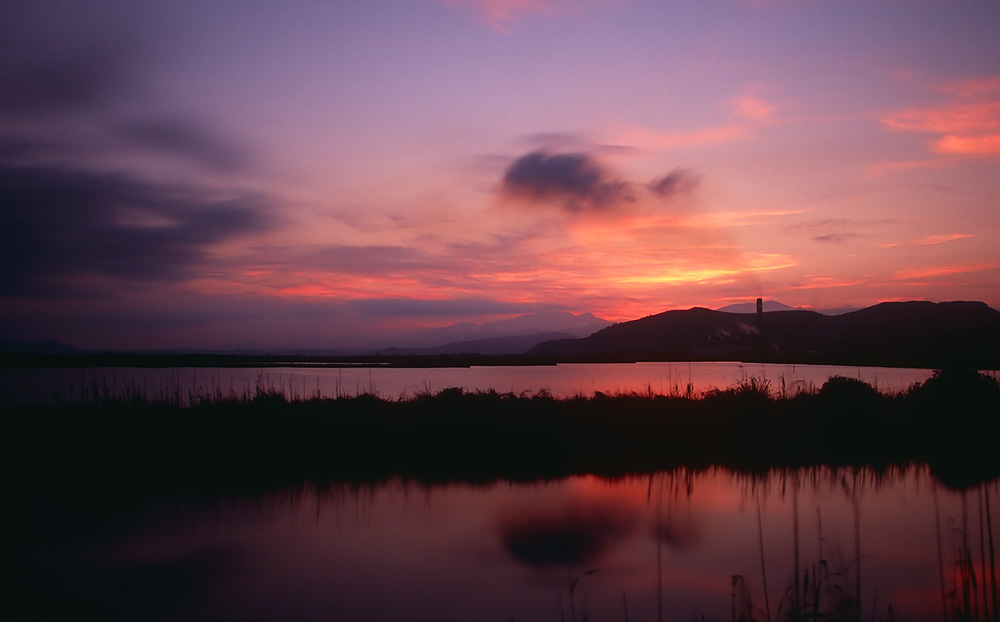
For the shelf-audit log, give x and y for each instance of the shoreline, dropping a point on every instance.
(420, 361)
(951, 422)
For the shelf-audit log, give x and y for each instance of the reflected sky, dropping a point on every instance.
(406, 552)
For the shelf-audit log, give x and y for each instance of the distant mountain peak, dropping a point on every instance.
(546, 321)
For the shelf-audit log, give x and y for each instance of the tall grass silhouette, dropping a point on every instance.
(271, 434)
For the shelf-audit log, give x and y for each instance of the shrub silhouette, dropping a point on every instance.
(952, 422)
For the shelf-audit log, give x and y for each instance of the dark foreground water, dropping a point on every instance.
(680, 546)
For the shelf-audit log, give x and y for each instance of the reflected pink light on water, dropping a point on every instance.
(405, 551)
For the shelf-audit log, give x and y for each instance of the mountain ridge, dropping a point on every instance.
(898, 334)
(774, 305)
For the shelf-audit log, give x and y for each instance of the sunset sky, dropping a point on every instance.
(230, 173)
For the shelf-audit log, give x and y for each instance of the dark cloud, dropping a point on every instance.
(69, 229)
(56, 80)
(15, 149)
(841, 224)
(677, 181)
(835, 238)
(827, 222)
(71, 95)
(836, 230)
(61, 226)
(187, 139)
(578, 183)
(573, 180)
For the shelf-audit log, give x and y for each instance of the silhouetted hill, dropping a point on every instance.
(44, 346)
(917, 334)
(774, 305)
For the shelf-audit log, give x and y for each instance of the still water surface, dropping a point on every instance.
(563, 380)
(680, 545)
(674, 546)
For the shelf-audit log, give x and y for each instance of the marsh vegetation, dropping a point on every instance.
(260, 437)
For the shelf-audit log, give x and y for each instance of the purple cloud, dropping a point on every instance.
(675, 182)
(574, 181)
(60, 227)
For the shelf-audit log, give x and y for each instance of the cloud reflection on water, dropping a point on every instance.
(578, 533)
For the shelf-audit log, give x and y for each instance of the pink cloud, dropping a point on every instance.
(974, 88)
(968, 125)
(752, 107)
(969, 145)
(949, 119)
(748, 112)
(930, 240)
(882, 168)
(935, 271)
(816, 281)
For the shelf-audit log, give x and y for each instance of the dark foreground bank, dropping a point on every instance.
(951, 422)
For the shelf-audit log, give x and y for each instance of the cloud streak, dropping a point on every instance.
(940, 271)
(186, 139)
(77, 218)
(677, 181)
(931, 240)
(58, 82)
(835, 238)
(61, 228)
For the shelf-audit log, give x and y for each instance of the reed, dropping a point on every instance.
(274, 432)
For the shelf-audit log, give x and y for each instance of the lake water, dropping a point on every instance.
(677, 546)
(668, 546)
(563, 380)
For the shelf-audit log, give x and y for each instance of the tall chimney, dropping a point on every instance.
(760, 325)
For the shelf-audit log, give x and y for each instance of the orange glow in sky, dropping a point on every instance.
(257, 176)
